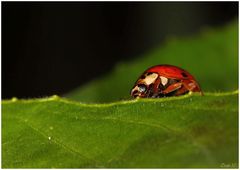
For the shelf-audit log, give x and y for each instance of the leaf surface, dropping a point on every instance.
(187, 131)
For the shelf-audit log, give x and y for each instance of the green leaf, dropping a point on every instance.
(190, 131)
(211, 56)
(183, 132)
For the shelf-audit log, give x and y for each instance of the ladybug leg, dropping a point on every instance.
(154, 89)
(172, 87)
(191, 86)
(156, 84)
(182, 91)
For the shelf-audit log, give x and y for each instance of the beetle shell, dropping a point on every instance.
(164, 80)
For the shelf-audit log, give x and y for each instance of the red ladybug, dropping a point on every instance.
(163, 81)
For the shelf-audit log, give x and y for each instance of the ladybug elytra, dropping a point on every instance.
(163, 81)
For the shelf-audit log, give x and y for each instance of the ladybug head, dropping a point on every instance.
(139, 90)
(144, 85)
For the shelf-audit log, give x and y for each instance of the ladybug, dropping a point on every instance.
(164, 81)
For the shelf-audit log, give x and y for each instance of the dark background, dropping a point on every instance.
(51, 48)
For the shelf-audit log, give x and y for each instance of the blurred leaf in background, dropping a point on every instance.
(211, 56)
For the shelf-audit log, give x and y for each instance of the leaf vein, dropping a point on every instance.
(57, 142)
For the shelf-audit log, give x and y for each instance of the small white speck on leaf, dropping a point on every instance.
(49, 138)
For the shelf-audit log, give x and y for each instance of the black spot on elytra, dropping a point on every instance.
(184, 74)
